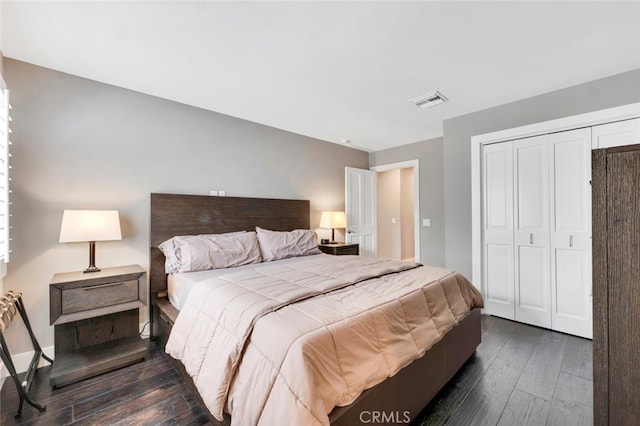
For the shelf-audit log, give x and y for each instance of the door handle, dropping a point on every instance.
(531, 238)
(570, 240)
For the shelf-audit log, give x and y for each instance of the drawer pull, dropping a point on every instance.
(103, 286)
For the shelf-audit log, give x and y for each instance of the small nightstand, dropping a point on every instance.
(339, 248)
(96, 321)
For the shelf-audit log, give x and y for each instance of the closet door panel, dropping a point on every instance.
(531, 272)
(497, 262)
(572, 298)
(531, 191)
(571, 173)
(531, 231)
(571, 232)
(620, 133)
(498, 189)
(499, 275)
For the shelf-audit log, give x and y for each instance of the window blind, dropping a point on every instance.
(5, 143)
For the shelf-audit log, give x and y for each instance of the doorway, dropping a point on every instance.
(395, 214)
(398, 231)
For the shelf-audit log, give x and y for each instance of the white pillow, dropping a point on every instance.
(188, 253)
(276, 245)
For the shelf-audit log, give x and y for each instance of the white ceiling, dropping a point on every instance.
(333, 71)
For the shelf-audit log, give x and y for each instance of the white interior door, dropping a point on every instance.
(497, 229)
(360, 208)
(531, 231)
(571, 232)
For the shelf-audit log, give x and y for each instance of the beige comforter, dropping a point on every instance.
(355, 321)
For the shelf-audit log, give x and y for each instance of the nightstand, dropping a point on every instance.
(96, 321)
(340, 248)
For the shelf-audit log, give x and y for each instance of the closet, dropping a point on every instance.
(536, 225)
(532, 215)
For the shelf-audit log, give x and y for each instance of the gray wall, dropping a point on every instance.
(609, 92)
(81, 144)
(429, 154)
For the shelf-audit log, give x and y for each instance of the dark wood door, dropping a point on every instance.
(616, 244)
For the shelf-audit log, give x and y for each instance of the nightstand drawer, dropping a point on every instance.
(350, 249)
(75, 296)
(339, 249)
(98, 296)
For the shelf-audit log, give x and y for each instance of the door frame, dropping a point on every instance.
(624, 112)
(415, 164)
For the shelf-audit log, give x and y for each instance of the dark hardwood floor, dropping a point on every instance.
(519, 375)
(150, 392)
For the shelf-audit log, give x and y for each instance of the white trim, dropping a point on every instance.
(624, 112)
(415, 164)
(476, 215)
(588, 119)
(394, 166)
(22, 361)
(141, 328)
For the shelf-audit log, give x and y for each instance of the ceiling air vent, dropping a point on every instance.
(429, 100)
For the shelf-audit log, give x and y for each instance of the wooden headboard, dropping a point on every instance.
(175, 214)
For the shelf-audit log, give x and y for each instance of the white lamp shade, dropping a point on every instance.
(90, 225)
(333, 220)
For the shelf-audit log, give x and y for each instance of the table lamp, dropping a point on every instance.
(333, 220)
(90, 226)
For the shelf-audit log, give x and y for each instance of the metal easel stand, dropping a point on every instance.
(11, 303)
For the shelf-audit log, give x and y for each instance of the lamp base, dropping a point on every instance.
(92, 258)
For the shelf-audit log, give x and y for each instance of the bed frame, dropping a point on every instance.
(409, 391)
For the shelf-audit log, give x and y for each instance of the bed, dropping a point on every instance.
(399, 398)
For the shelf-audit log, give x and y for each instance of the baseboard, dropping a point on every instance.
(144, 329)
(21, 361)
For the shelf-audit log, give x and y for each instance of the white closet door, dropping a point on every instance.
(531, 233)
(571, 232)
(497, 216)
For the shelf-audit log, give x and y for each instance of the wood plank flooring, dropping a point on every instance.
(519, 375)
